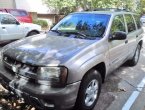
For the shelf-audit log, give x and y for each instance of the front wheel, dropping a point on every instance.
(89, 92)
(136, 56)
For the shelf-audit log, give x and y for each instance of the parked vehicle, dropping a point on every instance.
(21, 15)
(142, 19)
(12, 29)
(66, 67)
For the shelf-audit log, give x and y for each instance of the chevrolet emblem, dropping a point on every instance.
(15, 69)
(5, 58)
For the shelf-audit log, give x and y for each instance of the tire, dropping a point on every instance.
(92, 80)
(136, 56)
(32, 33)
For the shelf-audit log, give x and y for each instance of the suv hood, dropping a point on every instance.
(45, 50)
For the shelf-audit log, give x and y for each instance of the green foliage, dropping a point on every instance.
(67, 6)
(63, 6)
(141, 7)
(42, 23)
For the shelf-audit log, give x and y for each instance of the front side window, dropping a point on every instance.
(130, 23)
(118, 24)
(91, 25)
(7, 19)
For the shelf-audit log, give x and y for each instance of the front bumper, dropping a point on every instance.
(41, 96)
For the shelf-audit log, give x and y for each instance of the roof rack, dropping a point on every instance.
(109, 9)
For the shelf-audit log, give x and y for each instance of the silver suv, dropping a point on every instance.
(65, 68)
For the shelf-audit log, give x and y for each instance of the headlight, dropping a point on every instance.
(1, 55)
(53, 75)
(45, 73)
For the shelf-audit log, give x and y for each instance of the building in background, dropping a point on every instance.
(28, 5)
(33, 6)
(36, 8)
(7, 4)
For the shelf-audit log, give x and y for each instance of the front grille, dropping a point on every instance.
(9, 60)
(15, 65)
(10, 63)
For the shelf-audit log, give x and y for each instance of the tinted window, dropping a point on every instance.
(130, 23)
(118, 24)
(8, 19)
(92, 25)
(138, 23)
(18, 13)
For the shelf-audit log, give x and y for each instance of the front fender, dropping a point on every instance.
(79, 71)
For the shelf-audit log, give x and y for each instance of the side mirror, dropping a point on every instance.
(119, 35)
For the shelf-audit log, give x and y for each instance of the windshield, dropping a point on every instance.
(86, 25)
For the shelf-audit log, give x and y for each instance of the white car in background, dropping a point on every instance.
(12, 29)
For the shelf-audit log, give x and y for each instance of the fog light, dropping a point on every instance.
(47, 104)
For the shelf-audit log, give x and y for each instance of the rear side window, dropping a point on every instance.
(130, 23)
(18, 13)
(118, 24)
(138, 23)
(7, 19)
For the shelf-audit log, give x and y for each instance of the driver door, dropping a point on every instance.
(118, 49)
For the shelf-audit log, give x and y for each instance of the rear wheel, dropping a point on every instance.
(136, 56)
(32, 33)
(89, 91)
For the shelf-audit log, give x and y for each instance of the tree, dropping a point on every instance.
(141, 7)
(67, 6)
(61, 5)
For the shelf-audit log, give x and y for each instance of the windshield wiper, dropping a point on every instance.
(57, 31)
(81, 35)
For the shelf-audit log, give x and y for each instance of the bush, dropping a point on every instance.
(42, 23)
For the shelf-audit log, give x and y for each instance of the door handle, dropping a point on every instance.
(126, 41)
(3, 27)
(136, 36)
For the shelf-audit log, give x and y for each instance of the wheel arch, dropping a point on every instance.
(32, 31)
(101, 68)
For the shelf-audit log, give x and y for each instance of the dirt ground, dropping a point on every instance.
(8, 102)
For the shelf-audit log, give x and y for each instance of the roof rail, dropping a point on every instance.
(110, 9)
